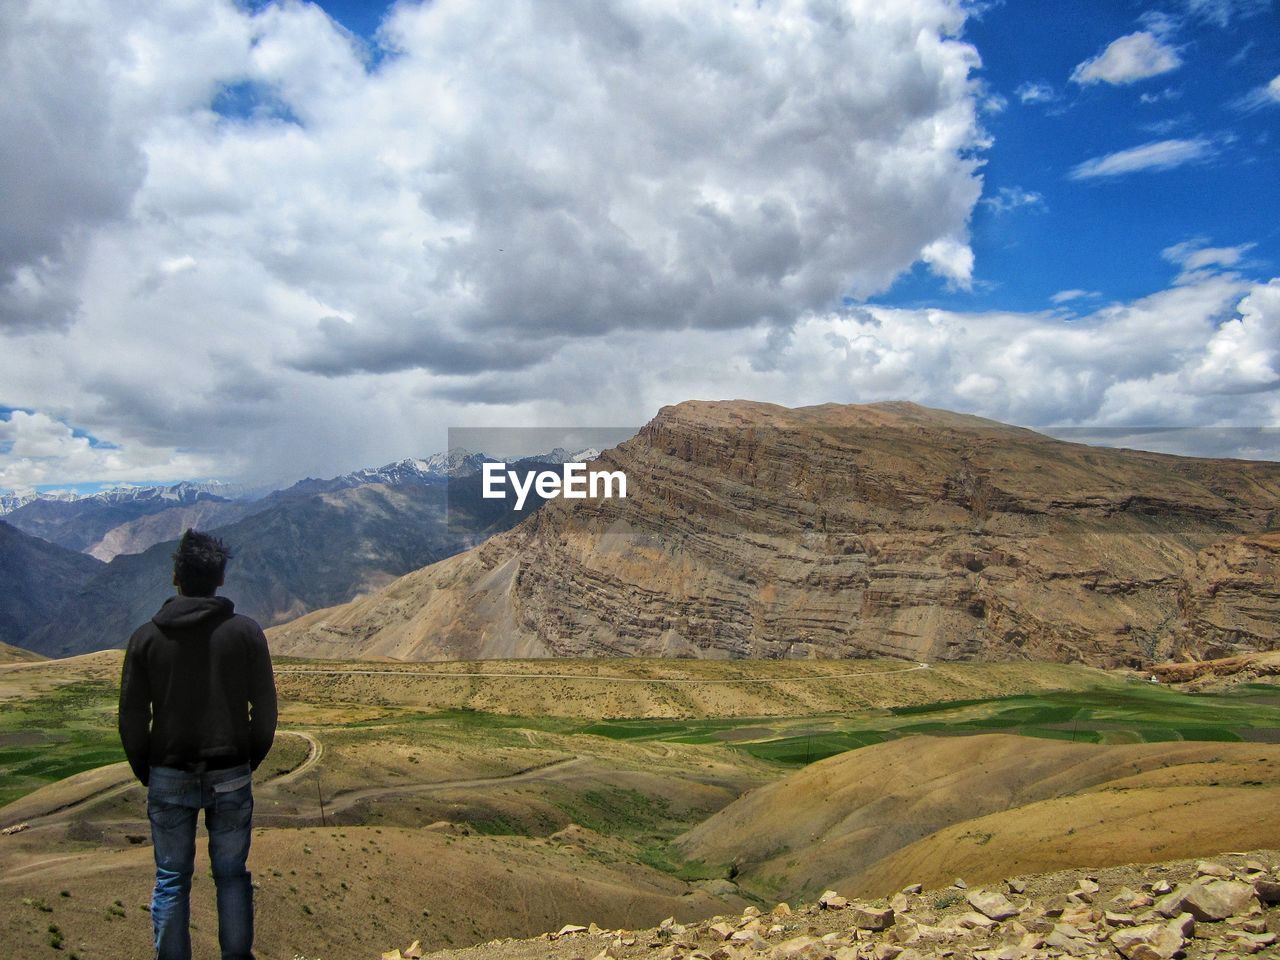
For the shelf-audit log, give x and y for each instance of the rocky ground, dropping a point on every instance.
(1227, 907)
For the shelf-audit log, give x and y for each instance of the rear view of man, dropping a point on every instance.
(197, 716)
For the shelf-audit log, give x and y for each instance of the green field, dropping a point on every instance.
(1135, 713)
(55, 735)
(73, 728)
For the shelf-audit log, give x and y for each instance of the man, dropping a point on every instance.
(197, 716)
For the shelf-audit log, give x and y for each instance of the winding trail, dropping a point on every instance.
(313, 757)
(105, 783)
(349, 798)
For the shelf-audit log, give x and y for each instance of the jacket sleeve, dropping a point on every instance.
(135, 710)
(262, 700)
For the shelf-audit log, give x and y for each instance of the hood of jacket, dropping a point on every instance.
(183, 613)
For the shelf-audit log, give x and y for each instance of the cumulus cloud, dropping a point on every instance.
(1201, 352)
(1129, 59)
(84, 85)
(522, 173)
(39, 450)
(1243, 355)
(1194, 354)
(241, 247)
(1158, 155)
(248, 202)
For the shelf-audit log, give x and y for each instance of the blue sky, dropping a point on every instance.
(309, 238)
(1106, 234)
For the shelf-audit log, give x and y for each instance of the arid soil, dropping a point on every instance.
(927, 809)
(1219, 909)
(383, 817)
(11, 654)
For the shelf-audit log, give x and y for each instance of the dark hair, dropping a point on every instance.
(199, 563)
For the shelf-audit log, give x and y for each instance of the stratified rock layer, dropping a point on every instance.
(752, 530)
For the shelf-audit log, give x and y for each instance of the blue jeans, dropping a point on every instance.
(174, 801)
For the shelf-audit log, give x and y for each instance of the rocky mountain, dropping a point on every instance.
(13, 499)
(37, 579)
(434, 469)
(752, 530)
(135, 536)
(297, 550)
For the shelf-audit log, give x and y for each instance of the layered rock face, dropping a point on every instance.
(752, 530)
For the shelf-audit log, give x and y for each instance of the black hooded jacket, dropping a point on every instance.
(197, 690)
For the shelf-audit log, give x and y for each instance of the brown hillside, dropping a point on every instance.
(1138, 911)
(11, 654)
(930, 809)
(752, 530)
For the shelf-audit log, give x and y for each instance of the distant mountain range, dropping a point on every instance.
(183, 492)
(752, 530)
(84, 522)
(314, 544)
(131, 519)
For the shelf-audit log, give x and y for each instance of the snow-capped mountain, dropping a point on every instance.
(187, 491)
(561, 455)
(436, 468)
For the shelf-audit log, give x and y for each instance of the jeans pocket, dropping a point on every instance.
(232, 810)
(165, 810)
(229, 786)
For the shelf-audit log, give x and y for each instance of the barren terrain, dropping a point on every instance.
(455, 803)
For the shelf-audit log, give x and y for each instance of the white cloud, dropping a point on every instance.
(41, 450)
(1194, 354)
(522, 214)
(1127, 60)
(505, 180)
(951, 259)
(1036, 92)
(1197, 255)
(1007, 199)
(1066, 296)
(1159, 155)
(1202, 352)
(1267, 95)
(1222, 12)
(1243, 355)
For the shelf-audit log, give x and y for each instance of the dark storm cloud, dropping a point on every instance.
(65, 163)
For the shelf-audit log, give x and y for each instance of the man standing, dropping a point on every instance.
(197, 716)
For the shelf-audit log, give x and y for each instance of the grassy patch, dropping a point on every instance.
(662, 856)
(72, 728)
(63, 732)
(617, 811)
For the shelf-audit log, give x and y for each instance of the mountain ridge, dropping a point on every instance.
(852, 530)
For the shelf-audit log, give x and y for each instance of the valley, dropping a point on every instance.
(462, 801)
